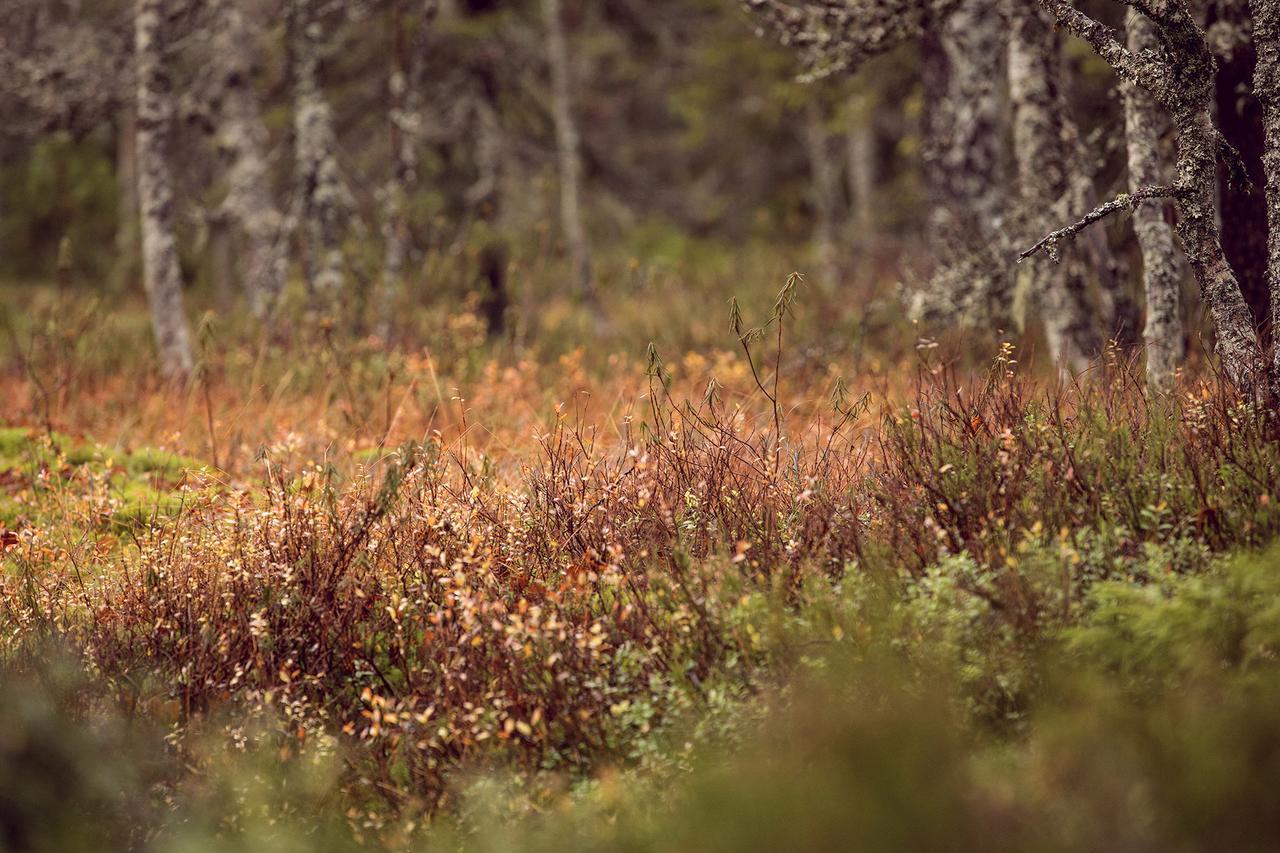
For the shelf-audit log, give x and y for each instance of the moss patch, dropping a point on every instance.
(131, 490)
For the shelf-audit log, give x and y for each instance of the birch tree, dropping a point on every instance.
(966, 141)
(1044, 179)
(1119, 312)
(242, 142)
(1162, 334)
(825, 189)
(161, 272)
(487, 196)
(1179, 75)
(321, 196)
(126, 242)
(405, 114)
(1266, 86)
(568, 150)
(860, 161)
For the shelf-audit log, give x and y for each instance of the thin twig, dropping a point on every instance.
(1124, 201)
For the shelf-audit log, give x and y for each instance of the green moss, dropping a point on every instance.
(142, 509)
(23, 445)
(12, 442)
(150, 460)
(142, 480)
(10, 511)
(83, 454)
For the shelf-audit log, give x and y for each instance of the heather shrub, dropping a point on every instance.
(1099, 473)
(722, 583)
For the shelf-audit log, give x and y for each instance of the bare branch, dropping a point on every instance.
(1103, 40)
(1124, 201)
(1155, 70)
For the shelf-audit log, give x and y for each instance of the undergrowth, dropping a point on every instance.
(936, 599)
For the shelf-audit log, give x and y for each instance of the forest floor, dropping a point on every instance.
(789, 577)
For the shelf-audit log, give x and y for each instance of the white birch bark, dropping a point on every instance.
(1266, 86)
(824, 188)
(1162, 335)
(242, 141)
(568, 149)
(1043, 163)
(161, 272)
(321, 195)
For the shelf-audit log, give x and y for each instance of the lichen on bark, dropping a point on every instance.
(322, 196)
(161, 272)
(1178, 73)
(1162, 334)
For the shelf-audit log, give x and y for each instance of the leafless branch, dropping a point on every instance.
(1124, 201)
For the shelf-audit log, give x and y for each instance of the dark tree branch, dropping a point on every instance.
(1125, 201)
(1103, 40)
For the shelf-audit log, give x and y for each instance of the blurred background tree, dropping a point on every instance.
(440, 173)
(690, 128)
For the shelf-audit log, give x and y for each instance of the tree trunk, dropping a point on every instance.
(125, 267)
(825, 184)
(486, 196)
(1180, 77)
(1237, 343)
(860, 154)
(567, 149)
(408, 69)
(934, 132)
(1163, 333)
(242, 141)
(1266, 85)
(1239, 117)
(967, 138)
(222, 260)
(1120, 312)
(962, 56)
(320, 191)
(395, 194)
(161, 272)
(1043, 162)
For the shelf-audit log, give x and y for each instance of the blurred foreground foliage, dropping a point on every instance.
(1155, 728)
